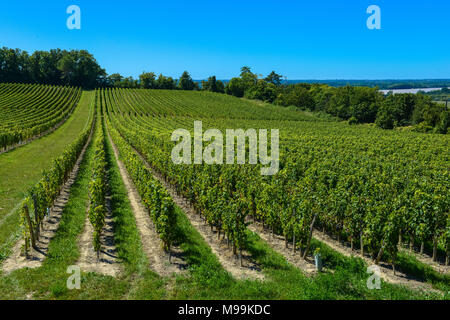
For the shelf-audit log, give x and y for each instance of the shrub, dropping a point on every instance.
(352, 121)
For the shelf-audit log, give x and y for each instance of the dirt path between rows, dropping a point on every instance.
(107, 262)
(49, 226)
(277, 243)
(249, 269)
(387, 273)
(151, 243)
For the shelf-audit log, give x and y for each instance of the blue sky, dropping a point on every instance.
(299, 39)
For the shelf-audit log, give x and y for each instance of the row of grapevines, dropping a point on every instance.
(29, 110)
(97, 187)
(184, 103)
(42, 196)
(155, 198)
(33, 97)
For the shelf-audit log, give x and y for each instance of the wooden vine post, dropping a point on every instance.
(30, 226)
(311, 229)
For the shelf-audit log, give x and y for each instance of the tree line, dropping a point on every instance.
(352, 103)
(79, 68)
(56, 67)
(149, 80)
(355, 104)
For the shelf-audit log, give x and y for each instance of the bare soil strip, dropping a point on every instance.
(249, 269)
(49, 226)
(277, 243)
(107, 262)
(387, 273)
(151, 243)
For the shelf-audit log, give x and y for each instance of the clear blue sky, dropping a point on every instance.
(299, 39)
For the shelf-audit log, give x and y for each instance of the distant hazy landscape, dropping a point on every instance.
(387, 84)
(415, 90)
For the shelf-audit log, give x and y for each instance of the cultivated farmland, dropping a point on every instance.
(30, 110)
(141, 226)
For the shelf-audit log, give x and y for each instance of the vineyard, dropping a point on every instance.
(30, 110)
(370, 188)
(355, 195)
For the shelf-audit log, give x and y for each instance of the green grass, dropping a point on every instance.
(143, 282)
(208, 280)
(410, 265)
(22, 168)
(126, 234)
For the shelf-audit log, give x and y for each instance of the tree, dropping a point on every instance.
(67, 67)
(165, 82)
(48, 64)
(210, 84)
(262, 91)
(14, 65)
(220, 86)
(148, 80)
(321, 95)
(213, 85)
(274, 78)
(444, 123)
(79, 68)
(249, 79)
(114, 79)
(427, 111)
(297, 96)
(36, 66)
(385, 117)
(235, 87)
(364, 104)
(186, 82)
(129, 82)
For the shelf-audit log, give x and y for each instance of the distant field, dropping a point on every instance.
(28, 110)
(22, 167)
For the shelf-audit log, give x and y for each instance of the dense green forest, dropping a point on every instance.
(356, 104)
